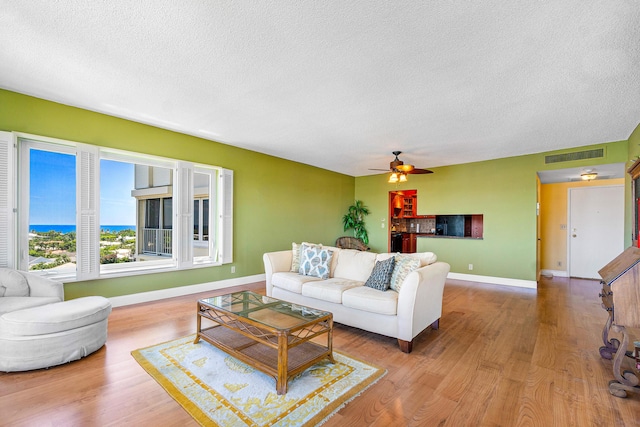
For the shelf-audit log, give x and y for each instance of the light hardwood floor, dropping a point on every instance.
(502, 357)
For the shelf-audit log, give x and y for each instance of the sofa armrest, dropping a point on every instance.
(420, 299)
(275, 262)
(40, 286)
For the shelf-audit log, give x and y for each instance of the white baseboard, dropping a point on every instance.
(554, 273)
(519, 283)
(182, 290)
(211, 286)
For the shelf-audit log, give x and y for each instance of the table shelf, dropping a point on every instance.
(281, 352)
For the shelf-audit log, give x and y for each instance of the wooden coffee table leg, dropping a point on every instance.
(281, 381)
(198, 324)
(330, 341)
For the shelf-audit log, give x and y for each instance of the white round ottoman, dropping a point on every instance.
(52, 334)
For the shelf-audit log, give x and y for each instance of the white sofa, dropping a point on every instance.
(38, 329)
(402, 315)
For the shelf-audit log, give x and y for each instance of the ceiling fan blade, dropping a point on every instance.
(405, 168)
(417, 171)
(397, 166)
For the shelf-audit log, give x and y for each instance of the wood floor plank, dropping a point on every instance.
(502, 357)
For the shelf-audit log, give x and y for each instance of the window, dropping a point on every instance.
(80, 212)
(204, 244)
(201, 220)
(201, 193)
(152, 214)
(52, 217)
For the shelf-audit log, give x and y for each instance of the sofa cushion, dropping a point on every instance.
(354, 265)
(334, 258)
(295, 254)
(13, 284)
(9, 304)
(405, 264)
(380, 278)
(385, 256)
(372, 300)
(57, 317)
(329, 290)
(291, 281)
(316, 262)
(425, 258)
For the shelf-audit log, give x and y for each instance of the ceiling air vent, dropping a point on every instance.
(576, 155)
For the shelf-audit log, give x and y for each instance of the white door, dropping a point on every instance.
(596, 228)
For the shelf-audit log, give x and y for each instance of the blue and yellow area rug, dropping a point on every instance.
(219, 390)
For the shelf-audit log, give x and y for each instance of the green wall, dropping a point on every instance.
(634, 154)
(276, 201)
(634, 144)
(503, 190)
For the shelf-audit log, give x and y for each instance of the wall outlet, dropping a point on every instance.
(559, 263)
(470, 266)
(233, 269)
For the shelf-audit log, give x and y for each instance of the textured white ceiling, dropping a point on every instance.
(340, 84)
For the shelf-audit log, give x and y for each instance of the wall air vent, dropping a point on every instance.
(576, 155)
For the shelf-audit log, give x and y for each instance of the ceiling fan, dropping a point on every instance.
(399, 170)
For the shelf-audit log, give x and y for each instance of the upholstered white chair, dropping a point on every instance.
(38, 329)
(19, 290)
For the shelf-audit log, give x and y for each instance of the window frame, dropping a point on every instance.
(14, 200)
(214, 243)
(199, 211)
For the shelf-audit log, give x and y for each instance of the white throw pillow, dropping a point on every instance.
(13, 283)
(425, 258)
(405, 264)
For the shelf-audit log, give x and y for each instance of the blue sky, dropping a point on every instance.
(53, 198)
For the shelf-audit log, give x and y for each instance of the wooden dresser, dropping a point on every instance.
(621, 298)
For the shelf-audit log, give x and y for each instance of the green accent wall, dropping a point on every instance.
(634, 145)
(634, 154)
(276, 201)
(503, 190)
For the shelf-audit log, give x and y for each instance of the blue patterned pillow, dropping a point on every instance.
(316, 262)
(380, 278)
(296, 249)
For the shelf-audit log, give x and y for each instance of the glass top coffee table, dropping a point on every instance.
(268, 334)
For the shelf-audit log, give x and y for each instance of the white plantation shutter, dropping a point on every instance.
(226, 216)
(7, 258)
(87, 212)
(14, 226)
(183, 227)
(211, 177)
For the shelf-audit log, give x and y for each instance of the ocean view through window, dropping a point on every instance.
(43, 228)
(83, 212)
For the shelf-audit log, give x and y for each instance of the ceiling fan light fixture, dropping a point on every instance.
(399, 170)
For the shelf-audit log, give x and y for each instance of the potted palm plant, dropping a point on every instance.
(354, 218)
